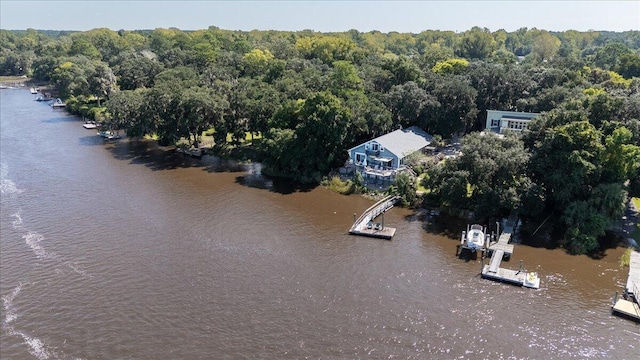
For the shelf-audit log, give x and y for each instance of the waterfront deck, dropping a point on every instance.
(627, 308)
(501, 249)
(384, 233)
(634, 272)
(364, 225)
(629, 304)
(506, 248)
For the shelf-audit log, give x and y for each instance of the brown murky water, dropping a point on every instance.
(123, 251)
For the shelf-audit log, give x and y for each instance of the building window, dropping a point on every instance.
(375, 147)
(495, 122)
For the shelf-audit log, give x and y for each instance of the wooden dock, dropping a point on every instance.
(633, 281)
(501, 249)
(629, 304)
(365, 225)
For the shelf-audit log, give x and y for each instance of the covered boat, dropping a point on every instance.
(475, 237)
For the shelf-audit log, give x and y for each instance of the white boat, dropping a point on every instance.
(89, 126)
(532, 280)
(475, 237)
(58, 103)
(33, 91)
(105, 134)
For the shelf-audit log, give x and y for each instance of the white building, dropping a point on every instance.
(503, 121)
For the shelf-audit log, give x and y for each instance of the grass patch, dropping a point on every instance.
(20, 78)
(421, 188)
(247, 137)
(625, 260)
(636, 233)
(336, 184)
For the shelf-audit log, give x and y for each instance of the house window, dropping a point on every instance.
(495, 122)
(360, 158)
(375, 147)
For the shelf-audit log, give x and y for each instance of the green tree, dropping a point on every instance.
(102, 81)
(316, 144)
(125, 111)
(545, 46)
(451, 66)
(199, 109)
(476, 44)
(454, 109)
(71, 77)
(487, 178)
(629, 65)
(406, 187)
(407, 103)
(81, 46)
(256, 62)
(137, 71)
(621, 157)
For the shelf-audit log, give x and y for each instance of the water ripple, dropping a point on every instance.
(7, 187)
(33, 240)
(7, 301)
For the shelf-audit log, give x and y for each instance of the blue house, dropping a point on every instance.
(384, 156)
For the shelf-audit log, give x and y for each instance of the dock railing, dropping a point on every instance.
(374, 211)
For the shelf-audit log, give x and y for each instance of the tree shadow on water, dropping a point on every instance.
(143, 152)
(62, 118)
(91, 140)
(278, 185)
(444, 225)
(607, 242)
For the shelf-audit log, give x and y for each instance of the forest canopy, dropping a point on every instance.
(308, 96)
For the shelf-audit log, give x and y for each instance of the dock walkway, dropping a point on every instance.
(629, 305)
(364, 225)
(499, 250)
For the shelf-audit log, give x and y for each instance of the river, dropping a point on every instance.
(126, 251)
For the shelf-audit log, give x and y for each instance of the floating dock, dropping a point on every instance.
(365, 225)
(501, 249)
(629, 305)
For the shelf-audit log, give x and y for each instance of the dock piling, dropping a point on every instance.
(503, 248)
(363, 225)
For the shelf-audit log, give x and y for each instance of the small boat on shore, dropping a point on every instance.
(105, 134)
(33, 90)
(194, 152)
(89, 126)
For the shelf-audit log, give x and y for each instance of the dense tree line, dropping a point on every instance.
(311, 95)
